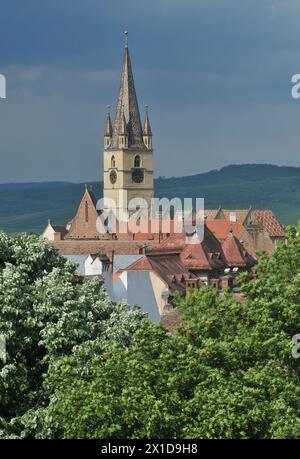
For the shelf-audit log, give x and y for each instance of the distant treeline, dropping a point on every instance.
(28, 206)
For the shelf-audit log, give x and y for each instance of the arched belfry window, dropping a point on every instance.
(113, 161)
(137, 161)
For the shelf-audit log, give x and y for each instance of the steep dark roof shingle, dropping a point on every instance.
(127, 106)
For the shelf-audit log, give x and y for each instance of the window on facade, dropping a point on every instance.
(113, 161)
(137, 161)
(86, 211)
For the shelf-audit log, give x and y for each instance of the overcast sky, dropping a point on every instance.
(216, 75)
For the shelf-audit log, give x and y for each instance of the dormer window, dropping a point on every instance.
(232, 217)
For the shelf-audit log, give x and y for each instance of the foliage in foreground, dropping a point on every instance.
(227, 373)
(47, 312)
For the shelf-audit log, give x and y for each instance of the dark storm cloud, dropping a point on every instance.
(216, 74)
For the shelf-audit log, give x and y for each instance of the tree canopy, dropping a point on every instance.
(84, 367)
(227, 373)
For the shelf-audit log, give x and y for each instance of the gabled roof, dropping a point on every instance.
(264, 217)
(239, 214)
(122, 261)
(225, 214)
(142, 264)
(209, 254)
(205, 255)
(221, 228)
(210, 214)
(195, 257)
(235, 253)
(101, 256)
(80, 228)
(167, 266)
(268, 221)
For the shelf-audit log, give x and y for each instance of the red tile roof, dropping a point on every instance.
(205, 255)
(167, 266)
(239, 214)
(265, 218)
(221, 228)
(235, 253)
(213, 214)
(210, 214)
(269, 222)
(143, 264)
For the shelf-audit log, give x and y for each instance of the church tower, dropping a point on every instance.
(128, 153)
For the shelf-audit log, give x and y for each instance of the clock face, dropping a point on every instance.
(113, 176)
(138, 175)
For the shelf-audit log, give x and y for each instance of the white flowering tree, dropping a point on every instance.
(47, 312)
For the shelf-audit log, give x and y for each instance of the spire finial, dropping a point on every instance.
(146, 109)
(126, 38)
(108, 107)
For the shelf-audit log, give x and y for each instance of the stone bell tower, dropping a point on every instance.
(128, 153)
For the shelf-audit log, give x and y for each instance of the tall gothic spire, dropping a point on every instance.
(127, 107)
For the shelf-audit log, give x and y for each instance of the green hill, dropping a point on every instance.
(27, 207)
